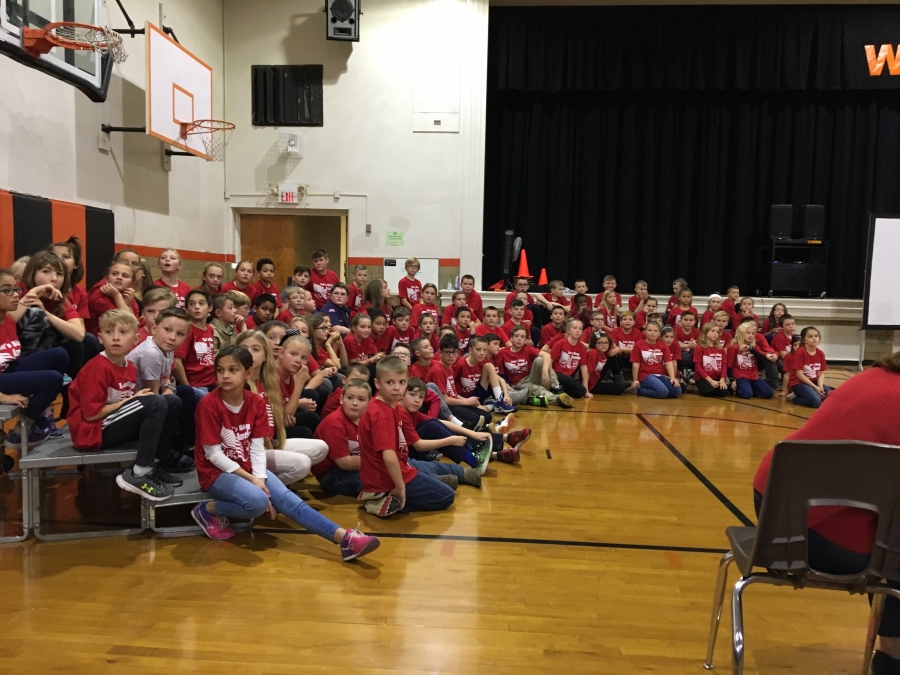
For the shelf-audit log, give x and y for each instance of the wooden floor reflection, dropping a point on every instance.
(596, 555)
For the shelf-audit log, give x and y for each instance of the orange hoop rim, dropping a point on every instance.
(205, 127)
(46, 33)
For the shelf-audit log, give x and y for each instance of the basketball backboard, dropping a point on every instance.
(87, 70)
(179, 90)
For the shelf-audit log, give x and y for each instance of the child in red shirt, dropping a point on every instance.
(609, 310)
(713, 305)
(745, 311)
(384, 455)
(781, 341)
(557, 326)
(772, 325)
(169, 264)
(321, 279)
(636, 301)
(522, 286)
(243, 278)
(652, 367)
(359, 344)
(742, 364)
(194, 358)
(377, 296)
(641, 316)
(426, 330)
(264, 306)
(688, 338)
(491, 324)
(400, 332)
(338, 473)
(156, 299)
(457, 300)
(808, 368)
(730, 303)
(723, 320)
(517, 314)
(425, 305)
(677, 286)
(266, 269)
(410, 289)
(473, 299)
(463, 329)
(609, 284)
(710, 363)
(113, 292)
(297, 303)
(300, 380)
(685, 304)
(355, 288)
(567, 357)
(477, 377)
(604, 370)
(441, 373)
(555, 297)
(623, 339)
(108, 410)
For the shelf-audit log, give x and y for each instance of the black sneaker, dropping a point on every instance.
(164, 475)
(432, 456)
(177, 462)
(148, 487)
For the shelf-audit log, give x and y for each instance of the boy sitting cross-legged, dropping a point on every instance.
(107, 409)
(194, 358)
(384, 457)
(338, 473)
(522, 368)
(477, 377)
(441, 373)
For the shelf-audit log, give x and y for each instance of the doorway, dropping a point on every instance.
(289, 240)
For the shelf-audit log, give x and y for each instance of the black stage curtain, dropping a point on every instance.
(658, 157)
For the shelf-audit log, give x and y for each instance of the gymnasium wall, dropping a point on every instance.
(49, 140)
(429, 186)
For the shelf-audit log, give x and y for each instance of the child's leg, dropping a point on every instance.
(75, 352)
(471, 417)
(445, 413)
(434, 430)
(687, 360)
(288, 467)
(438, 468)
(312, 394)
(490, 380)
(571, 386)
(609, 388)
(652, 387)
(426, 493)
(305, 424)
(314, 449)
(49, 359)
(744, 388)
(152, 420)
(41, 387)
(806, 396)
(671, 389)
(337, 481)
(237, 497)
(770, 368)
(297, 510)
(536, 374)
(518, 394)
(762, 389)
(706, 389)
(186, 427)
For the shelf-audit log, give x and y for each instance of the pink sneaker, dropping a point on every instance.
(213, 526)
(355, 544)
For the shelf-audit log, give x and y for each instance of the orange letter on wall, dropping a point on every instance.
(886, 53)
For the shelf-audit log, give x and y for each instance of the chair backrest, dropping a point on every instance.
(805, 474)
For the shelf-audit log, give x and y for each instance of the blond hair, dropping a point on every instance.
(740, 335)
(158, 293)
(412, 261)
(294, 290)
(177, 254)
(267, 382)
(114, 317)
(239, 299)
(704, 335)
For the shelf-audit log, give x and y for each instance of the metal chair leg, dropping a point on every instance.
(874, 621)
(737, 626)
(718, 602)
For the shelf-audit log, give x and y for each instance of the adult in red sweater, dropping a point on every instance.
(840, 538)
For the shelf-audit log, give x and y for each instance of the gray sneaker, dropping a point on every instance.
(148, 487)
(471, 477)
(167, 477)
(790, 397)
(449, 480)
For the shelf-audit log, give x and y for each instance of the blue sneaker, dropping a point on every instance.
(36, 436)
(49, 423)
(501, 407)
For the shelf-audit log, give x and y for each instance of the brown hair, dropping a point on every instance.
(890, 363)
(43, 259)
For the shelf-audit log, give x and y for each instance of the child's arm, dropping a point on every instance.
(178, 371)
(670, 369)
(585, 378)
(405, 303)
(392, 463)
(109, 408)
(423, 445)
(316, 380)
(546, 362)
(479, 436)
(805, 380)
(300, 380)
(348, 463)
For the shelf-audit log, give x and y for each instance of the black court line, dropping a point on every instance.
(516, 540)
(762, 407)
(549, 456)
(694, 470)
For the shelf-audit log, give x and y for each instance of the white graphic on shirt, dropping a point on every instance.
(204, 351)
(626, 344)
(125, 391)
(515, 367)
(611, 320)
(236, 445)
(811, 370)
(321, 291)
(9, 352)
(652, 357)
(451, 386)
(569, 360)
(745, 362)
(601, 364)
(712, 363)
(412, 293)
(468, 383)
(353, 447)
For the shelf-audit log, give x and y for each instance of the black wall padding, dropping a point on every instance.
(33, 218)
(100, 228)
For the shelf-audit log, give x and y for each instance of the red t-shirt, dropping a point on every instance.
(380, 430)
(419, 309)
(596, 362)
(672, 303)
(812, 366)
(98, 304)
(342, 437)
(354, 297)
(633, 302)
(78, 298)
(509, 327)
(475, 305)
(332, 403)
(708, 317)
(549, 332)
(232, 286)
(320, 286)
(743, 366)
(622, 339)
(725, 338)
(561, 300)
(197, 354)
(675, 317)
(781, 342)
(762, 344)
(287, 316)
(640, 320)
(420, 371)
(180, 290)
(359, 351)
(652, 358)
(99, 383)
(383, 341)
(394, 337)
(259, 288)
(410, 291)
(468, 376)
(684, 338)
(449, 317)
(217, 425)
(511, 297)
(484, 329)
(598, 301)
(142, 335)
(463, 336)
(443, 378)
(567, 358)
(864, 408)
(10, 347)
(610, 318)
(736, 320)
(674, 350)
(710, 362)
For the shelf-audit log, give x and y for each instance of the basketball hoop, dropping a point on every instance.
(77, 36)
(213, 134)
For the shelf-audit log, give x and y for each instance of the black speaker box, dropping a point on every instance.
(342, 22)
(813, 218)
(781, 221)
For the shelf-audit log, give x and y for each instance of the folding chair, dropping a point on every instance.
(807, 474)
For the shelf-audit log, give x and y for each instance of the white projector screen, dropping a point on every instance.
(881, 302)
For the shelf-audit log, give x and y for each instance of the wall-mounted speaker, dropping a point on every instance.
(813, 218)
(342, 20)
(781, 221)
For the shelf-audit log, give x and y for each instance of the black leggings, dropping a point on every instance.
(706, 389)
(611, 382)
(305, 424)
(571, 386)
(826, 556)
(469, 415)
(151, 420)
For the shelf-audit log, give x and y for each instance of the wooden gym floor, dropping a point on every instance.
(597, 555)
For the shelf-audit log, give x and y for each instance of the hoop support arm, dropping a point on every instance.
(179, 153)
(107, 128)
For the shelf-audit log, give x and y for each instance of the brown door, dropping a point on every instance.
(269, 237)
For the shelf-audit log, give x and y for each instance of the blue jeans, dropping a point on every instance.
(338, 481)
(237, 497)
(658, 386)
(38, 376)
(749, 388)
(199, 393)
(437, 468)
(434, 430)
(807, 396)
(426, 493)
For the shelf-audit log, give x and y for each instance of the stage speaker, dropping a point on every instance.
(813, 219)
(342, 20)
(781, 221)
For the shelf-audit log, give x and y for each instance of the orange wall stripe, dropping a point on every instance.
(442, 262)
(448, 262)
(68, 221)
(7, 246)
(153, 252)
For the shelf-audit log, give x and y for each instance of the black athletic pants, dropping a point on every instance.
(151, 419)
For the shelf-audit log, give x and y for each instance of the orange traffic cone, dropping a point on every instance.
(542, 281)
(523, 265)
